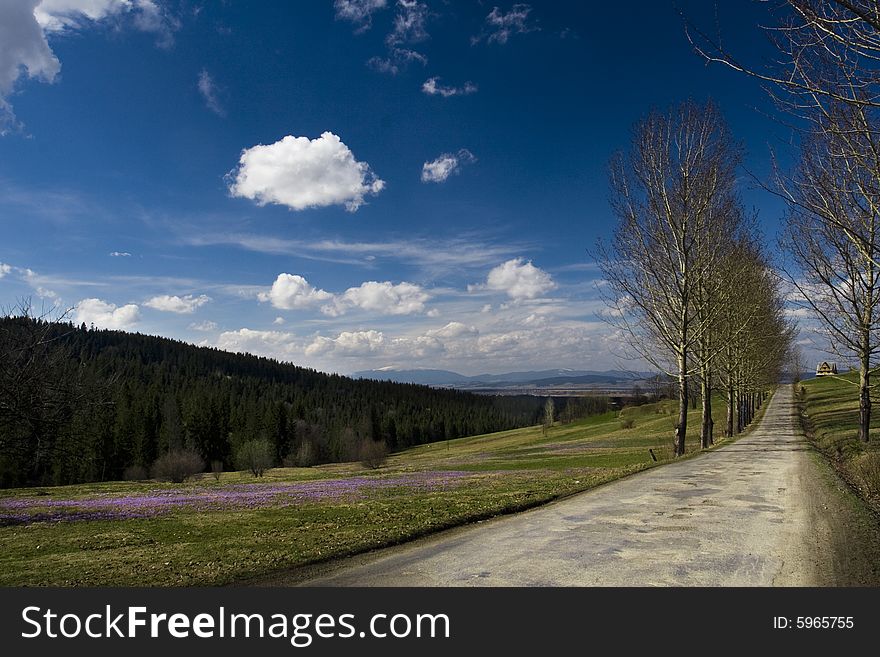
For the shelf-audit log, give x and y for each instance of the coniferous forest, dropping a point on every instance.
(79, 404)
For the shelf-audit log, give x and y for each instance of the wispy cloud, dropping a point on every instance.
(432, 87)
(56, 205)
(397, 60)
(208, 89)
(450, 254)
(359, 12)
(500, 25)
(410, 23)
(445, 165)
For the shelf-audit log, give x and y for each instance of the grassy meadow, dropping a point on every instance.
(831, 411)
(214, 531)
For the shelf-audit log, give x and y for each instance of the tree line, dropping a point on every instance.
(690, 288)
(80, 404)
(826, 78)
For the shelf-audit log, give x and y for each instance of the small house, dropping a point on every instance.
(826, 368)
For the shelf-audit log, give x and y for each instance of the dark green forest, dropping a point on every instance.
(79, 404)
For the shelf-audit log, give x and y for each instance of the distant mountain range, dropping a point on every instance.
(538, 378)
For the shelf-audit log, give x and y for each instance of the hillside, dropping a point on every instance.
(88, 405)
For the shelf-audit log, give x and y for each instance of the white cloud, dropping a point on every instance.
(46, 293)
(208, 88)
(432, 87)
(146, 15)
(535, 319)
(120, 254)
(385, 298)
(205, 327)
(397, 60)
(292, 292)
(519, 279)
(452, 330)
(304, 173)
(152, 17)
(278, 321)
(359, 12)
(274, 344)
(4, 269)
(501, 26)
(23, 51)
(174, 304)
(446, 164)
(347, 343)
(106, 315)
(60, 15)
(409, 23)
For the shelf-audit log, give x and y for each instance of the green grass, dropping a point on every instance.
(502, 472)
(830, 408)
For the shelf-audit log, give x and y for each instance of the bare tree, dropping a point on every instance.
(833, 236)
(827, 76)
(670, 193)
(797, 364)
(549, 411)
(41, 385)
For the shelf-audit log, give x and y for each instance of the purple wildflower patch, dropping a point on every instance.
(27, 510)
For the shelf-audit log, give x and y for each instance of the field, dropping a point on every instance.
(218, 531)
(831, 411)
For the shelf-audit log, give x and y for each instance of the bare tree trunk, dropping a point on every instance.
(681, 427)
(731, 405)
(707, 423)
(740, 412)
(865, 399)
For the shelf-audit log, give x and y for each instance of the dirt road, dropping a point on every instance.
(763, 511)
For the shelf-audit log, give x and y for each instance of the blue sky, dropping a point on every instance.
(345, 185)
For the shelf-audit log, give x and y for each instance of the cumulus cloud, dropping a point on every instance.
(25, 24)
(446, 164)
(347, 343)
(292, 292)
(385, 298)
(185, 305)
(278, 321)
(106, 315)
(359, 12)
(409, 23)
(4, 269)
(500, 26)
(519, 279)
(274, 344)
(120, 254)
(302, 173)
(23, 51)
(432, 87)
(208, 89)
(205, 327)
